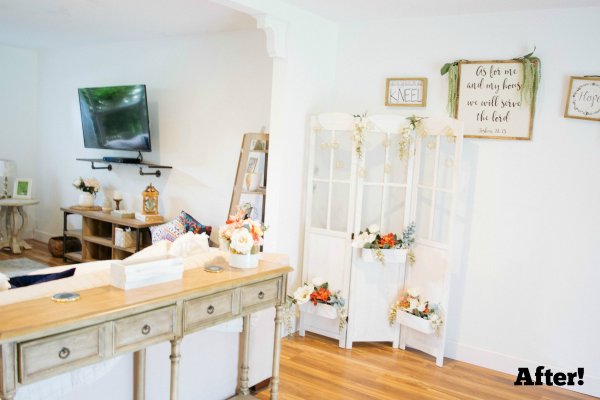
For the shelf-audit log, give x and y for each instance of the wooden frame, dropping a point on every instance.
(578, 113)
(423, 101)
(18, 188)
(531, 107)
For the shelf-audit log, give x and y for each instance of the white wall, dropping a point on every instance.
(525, 291)
(18, 112)
(204, 92)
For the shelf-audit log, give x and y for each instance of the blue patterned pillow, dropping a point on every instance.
(191, 225)
(168, 231)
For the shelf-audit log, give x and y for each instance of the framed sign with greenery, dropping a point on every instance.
(584, 98)
(495, 99)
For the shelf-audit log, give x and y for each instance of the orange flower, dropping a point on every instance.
(321, 295)
(387, 239)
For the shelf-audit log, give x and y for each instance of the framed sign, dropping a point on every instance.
(406, 92)
(22, 189)
(584, 98)
(490, 102)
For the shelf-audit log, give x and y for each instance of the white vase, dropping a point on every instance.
(86, 199)
(389, 255)
(243, 260)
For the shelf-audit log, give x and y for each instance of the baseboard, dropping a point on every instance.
(510, 365)
(41, 236)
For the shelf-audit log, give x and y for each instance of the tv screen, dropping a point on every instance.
(115, 118)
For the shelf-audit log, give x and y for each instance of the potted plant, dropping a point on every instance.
(242, 237)
(415, 313)
(89, 187)
(386, 248)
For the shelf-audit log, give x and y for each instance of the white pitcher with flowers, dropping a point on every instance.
(243, 238)
(89, 187)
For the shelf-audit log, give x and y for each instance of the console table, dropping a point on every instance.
(13, 235)
(40, 338)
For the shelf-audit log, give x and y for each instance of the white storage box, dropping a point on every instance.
(145, 272)
(124, 238)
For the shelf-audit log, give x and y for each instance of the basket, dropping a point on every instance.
(57, 243)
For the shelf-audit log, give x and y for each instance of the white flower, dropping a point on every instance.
(317, 281)
(242, 241)
(373, 228)
(422, 306)
(77, 182)
(413, 292)
(413, 303)
(302, 294)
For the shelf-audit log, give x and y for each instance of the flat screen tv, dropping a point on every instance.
(115, 118)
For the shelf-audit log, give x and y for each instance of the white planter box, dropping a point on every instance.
(243, 260)
(322, 310)
(414, 322)
(390, 255)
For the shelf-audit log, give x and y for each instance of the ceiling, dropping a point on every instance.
(63, 23)
(364, 10)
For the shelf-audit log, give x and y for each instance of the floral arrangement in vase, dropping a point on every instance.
(89, 187)
(242, 237)
(412, 303)
(317, 292)
(377, 245)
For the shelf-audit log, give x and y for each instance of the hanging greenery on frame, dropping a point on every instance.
(496, 99)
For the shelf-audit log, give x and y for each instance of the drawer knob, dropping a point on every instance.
(146, 329)
(261, 295)
(210, 309)
(64, 353)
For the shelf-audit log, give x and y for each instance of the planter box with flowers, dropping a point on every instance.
(242, 237)
(316, 298)
(388, 248)
(413, 312)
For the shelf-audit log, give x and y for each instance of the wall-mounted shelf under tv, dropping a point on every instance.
(141, 165)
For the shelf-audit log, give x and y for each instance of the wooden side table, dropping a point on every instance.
(12, 234)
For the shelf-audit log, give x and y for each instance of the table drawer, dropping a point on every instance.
(202, 310)
(144, 329)
(261, 293)
(55, 354)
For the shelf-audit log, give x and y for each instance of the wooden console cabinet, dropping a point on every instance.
(98, 235)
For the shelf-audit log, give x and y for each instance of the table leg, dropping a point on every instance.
(8, 381)
(11, 227)
(3, 229)
(24, 223)
(138, 240)
(244, 367)
(175, 357)
(139, 375)
(276, 351)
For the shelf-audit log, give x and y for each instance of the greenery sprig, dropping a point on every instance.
(452, 70)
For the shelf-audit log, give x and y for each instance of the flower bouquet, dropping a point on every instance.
(89, 187)
(316, 298)
(242, 237)
(416, 313)
(390, 247)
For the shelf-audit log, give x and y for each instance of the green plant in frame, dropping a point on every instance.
(22, 188)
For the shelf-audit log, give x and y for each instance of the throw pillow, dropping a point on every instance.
(28, 280)
(191, 225)
(189, 244)
(169, 231)
(4, 285)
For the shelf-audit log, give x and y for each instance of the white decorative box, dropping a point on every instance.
(322, 310)
(145, 272)
(390, 255)
(414, 322)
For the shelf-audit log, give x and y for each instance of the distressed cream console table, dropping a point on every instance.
(40, 338)
(13, 233)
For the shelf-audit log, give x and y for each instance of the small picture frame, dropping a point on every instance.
(406, 92)
(252, 164)
(22, 188)
(583, 101)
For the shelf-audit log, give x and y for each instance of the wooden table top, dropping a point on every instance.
(106, 217)
(103, 303)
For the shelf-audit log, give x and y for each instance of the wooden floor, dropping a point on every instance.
(314, 367)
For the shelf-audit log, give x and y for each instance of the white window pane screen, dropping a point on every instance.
(340, 198)
(423, 212)
(342, 155)
(395, 202)
(319, 205)
(322, 154)
(374, 156)
(371, 206)
(441, 217)
(445, 164)
(427, 160)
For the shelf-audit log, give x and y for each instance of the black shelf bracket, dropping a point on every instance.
(155, 173)
(108, 167)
